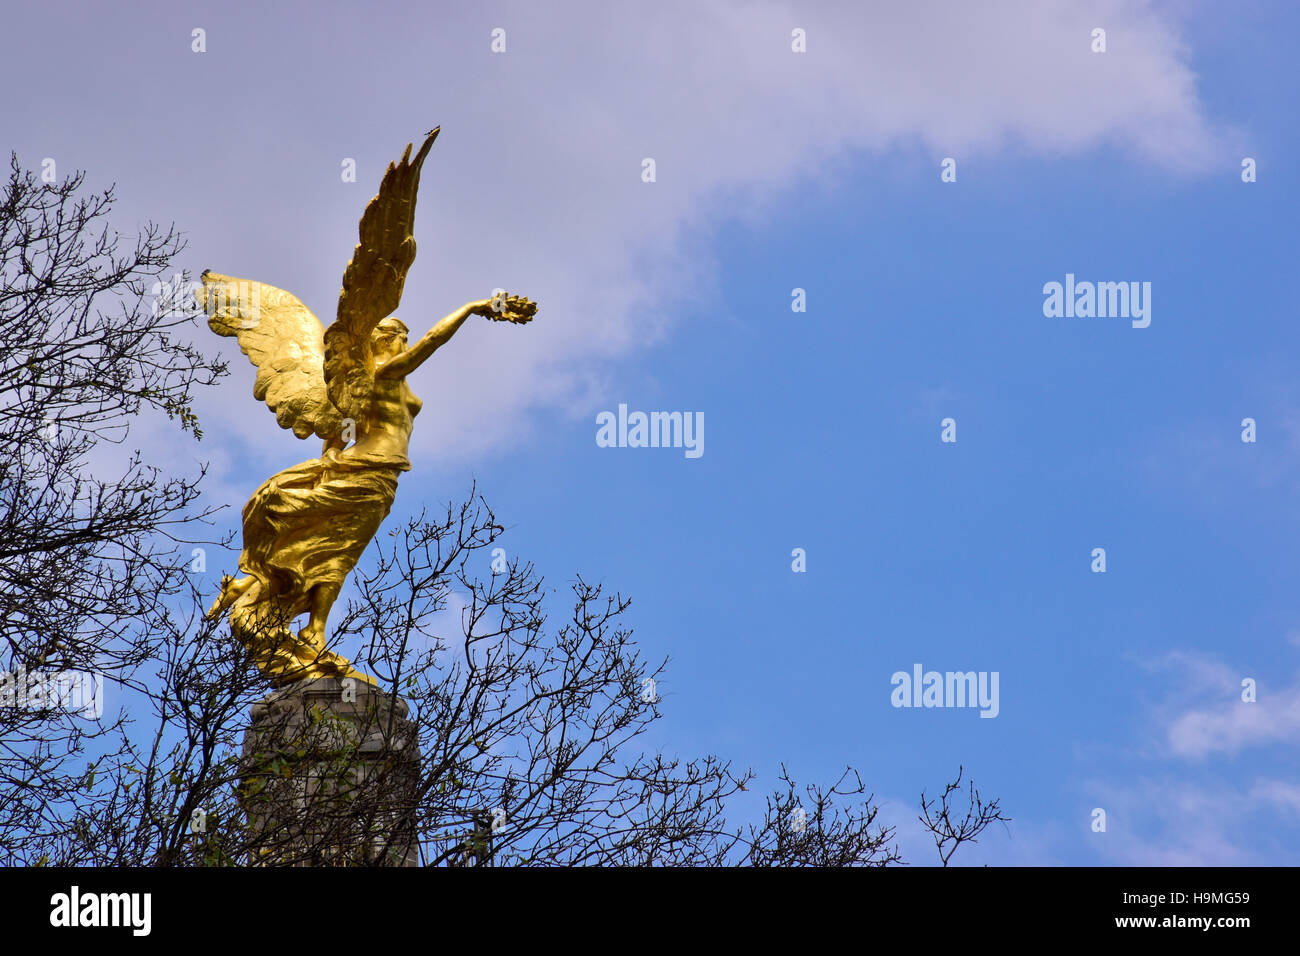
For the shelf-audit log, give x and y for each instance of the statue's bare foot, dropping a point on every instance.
(320, 661)
(312, 638)
(329, 664)
(348, 671)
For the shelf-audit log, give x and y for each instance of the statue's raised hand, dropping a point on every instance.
(503, 307)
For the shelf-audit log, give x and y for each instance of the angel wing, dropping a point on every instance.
(286, 343)
(372, 284)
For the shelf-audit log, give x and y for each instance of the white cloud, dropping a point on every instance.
(1203, 814)
(1175, 822)
(1205, 714)
(1233, 725)
(1281, 793)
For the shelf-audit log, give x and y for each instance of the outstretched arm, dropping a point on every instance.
(434, 339)
(501, 308)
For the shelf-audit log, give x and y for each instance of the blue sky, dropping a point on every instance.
(818, 171)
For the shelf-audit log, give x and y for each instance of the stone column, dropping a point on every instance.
(330, 775)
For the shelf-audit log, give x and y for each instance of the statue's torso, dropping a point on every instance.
(388, 434)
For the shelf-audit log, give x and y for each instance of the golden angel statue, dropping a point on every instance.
(306, 527)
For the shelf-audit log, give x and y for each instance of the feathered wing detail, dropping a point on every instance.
(287, 344)
(372, 284)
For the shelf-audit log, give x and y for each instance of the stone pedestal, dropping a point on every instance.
(331, 769)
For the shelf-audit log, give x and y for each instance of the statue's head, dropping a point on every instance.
(389, 336)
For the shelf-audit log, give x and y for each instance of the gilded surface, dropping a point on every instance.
(306, 527)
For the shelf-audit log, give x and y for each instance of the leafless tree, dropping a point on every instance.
(833, 826)
(950, 825)
(88, 555)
